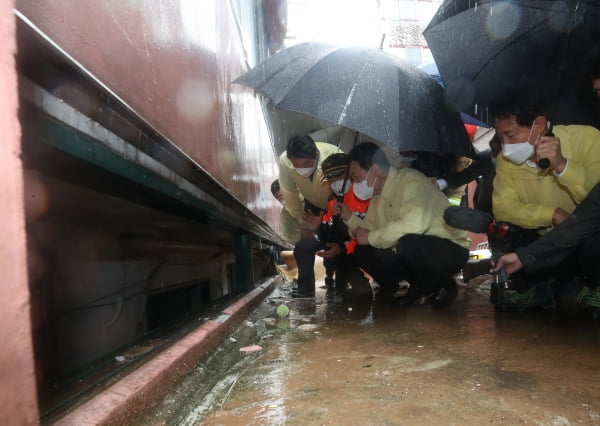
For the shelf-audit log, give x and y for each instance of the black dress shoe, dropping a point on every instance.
(444, 296)
(298, 294)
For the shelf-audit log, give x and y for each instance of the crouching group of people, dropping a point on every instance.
(364, 216)
(544, 227)
(368, 219)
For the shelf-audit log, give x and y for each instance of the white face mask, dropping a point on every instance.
(518, 152)
(362, 190)
(305, 171)
(339, 188)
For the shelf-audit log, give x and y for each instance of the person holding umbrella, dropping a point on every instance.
(304, 195)
(403, 236)
(530, 198)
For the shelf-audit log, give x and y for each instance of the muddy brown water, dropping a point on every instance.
(371, 363)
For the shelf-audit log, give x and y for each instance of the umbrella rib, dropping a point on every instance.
(347, 104)
(523, 36)
(528, 33)
(350, 96)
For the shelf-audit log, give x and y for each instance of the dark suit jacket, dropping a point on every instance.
(487, 171)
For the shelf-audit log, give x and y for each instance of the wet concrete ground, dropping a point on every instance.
(370, 363)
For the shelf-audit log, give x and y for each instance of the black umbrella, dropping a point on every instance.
(432, 69)
(365, 89)
(483, 48)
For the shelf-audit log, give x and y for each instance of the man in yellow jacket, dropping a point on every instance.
(304, 193)
(542, 175)
(290, 228)
(403, 236)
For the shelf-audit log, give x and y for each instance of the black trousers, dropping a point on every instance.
(330, 265)
(344, 267)
(304, 252)
(426, 262)
(347, 271)
(572, 247)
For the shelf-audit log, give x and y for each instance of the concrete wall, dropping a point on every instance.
(176, 63)
(18, 401)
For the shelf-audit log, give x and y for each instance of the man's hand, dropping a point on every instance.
(362, 236)
(559, 216)
(549, 147)
(332, 250)
(435, 182)
(311, 221)
(341, 209)
(510, 262)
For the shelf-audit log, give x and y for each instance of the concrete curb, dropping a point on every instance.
(125, 401)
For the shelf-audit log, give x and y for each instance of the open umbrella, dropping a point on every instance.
(432, 69)
(482, 48)
(365, 89)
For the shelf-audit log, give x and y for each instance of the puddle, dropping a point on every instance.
(372, 363)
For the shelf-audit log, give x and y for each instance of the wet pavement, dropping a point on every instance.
(333, 362)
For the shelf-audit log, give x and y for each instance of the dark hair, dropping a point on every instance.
(275, 187)
(495, 140)
(366, 154)
(592, 64)
(524, 105)
(301, 147)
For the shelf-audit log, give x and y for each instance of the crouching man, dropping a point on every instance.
(403, 236)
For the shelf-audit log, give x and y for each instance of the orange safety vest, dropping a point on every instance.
(356, 206)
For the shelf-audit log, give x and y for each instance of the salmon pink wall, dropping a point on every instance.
(18, 401)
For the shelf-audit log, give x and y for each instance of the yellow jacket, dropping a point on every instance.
(408, 204)
(296, 188)
(290, 228)
(527, 196)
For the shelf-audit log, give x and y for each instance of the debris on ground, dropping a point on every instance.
(480, 283)
(283, 311)
(251, 348)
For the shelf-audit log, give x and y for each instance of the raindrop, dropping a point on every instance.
(503, 23)
(195, 100)
(559, 17)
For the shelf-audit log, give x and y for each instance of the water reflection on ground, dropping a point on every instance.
(360, 362)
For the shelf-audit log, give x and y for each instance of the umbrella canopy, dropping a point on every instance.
(432, 69)
(483, 48)
(365, 89)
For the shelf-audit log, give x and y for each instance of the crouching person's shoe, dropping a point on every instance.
(538, 296)
(588, 300)
(444, 296)
(300, 293)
